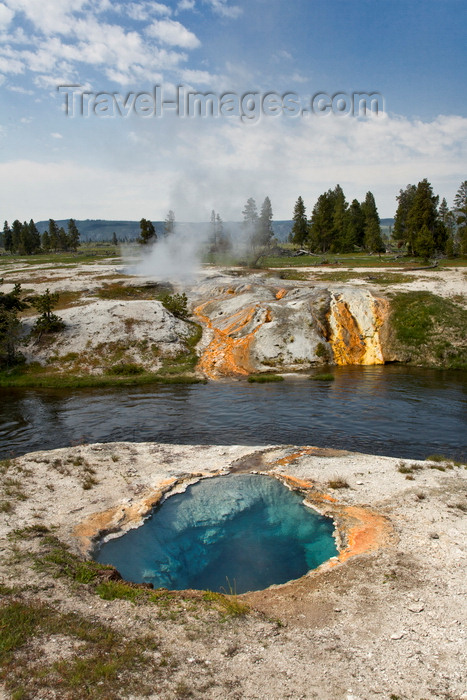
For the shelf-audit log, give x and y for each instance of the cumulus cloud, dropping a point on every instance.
(173, 33)
(70, 34)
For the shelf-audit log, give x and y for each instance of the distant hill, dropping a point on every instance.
(103, 229)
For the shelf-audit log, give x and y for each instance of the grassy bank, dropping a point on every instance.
(429, 330)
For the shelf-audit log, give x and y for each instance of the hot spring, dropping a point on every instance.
(231, 533)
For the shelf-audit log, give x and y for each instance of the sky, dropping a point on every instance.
(113, 155)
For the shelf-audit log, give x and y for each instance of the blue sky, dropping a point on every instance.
(413, 53)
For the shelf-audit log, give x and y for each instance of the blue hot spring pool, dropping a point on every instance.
(238, 532)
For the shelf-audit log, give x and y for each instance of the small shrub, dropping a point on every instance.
(338, 482)
(321, 350)
(176, 304)
(125, 368)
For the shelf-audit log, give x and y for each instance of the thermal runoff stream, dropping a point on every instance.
(233, 533)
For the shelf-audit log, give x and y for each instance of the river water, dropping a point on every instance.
(391, 410)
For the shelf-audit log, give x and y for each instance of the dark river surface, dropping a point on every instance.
(392, 410)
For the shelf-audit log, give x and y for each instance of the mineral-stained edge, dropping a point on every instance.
(358, 529)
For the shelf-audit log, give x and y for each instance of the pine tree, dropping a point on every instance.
(7, 237)
(265, 232)
(250, 214)
(405, 201)
(45, 242)
(355, 226)
(460, 212)
(16, 228)
(423, 223)
(321, 223)
(447, 218)
(340, 222)
(373, 240)
(53, 235)
(73, 235)
(114, 239)
(147, 232)
(300, 229)
(63, 243)
(250, 221)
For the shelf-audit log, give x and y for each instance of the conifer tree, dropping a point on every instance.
(7, 237)
(405, 200)
(340, 222)
(73, 235)
(355, 226)
(426, 234)
(147, 232)
(300, 229)
(373, 240)
(322, 222)
(265, 232)
(460, 212)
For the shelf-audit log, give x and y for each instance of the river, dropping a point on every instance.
(392, 410)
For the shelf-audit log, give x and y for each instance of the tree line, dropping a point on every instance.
(25, 239)
(420, 225)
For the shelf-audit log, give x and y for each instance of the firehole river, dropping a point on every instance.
(393, 410)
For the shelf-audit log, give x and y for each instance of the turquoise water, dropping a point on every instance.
(242, 532)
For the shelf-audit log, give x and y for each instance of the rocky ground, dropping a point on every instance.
(386, 619)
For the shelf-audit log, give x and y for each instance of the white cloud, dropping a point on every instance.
(20, 90)
(56, 135)
(185, 5)
(144, 11)
(69, 33)
(194, 165)
(6, 15)
(222, 8)
(49, 16)
(173, 33)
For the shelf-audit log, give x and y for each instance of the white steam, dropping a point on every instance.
(175, 257)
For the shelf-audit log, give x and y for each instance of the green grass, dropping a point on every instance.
(429, 329)
(128, 292)
(102, 663)
(375, 277)
(52, 381)
(264, 378)
(323, 377)
(354, 260)
(230, 605)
